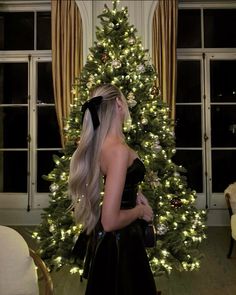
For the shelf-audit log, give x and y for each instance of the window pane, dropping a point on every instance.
(188, 126)
(219, 28)
(223, 80)
(13, 127)
(189, 28)
(48, 130)
(45, 83)
(188, 81)
(223, 169)
(192, 161)
(17, 30)
(223, 125)
(44, 167)
(43, 30)
(13, 83)
(13, 171)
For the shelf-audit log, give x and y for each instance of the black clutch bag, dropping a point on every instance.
(149, 234)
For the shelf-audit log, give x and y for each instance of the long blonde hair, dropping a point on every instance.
(85, 176)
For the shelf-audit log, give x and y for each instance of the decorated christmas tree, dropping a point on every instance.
(118, 57)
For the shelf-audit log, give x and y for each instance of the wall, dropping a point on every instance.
(140, 15)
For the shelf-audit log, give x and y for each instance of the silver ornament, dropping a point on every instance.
(131, 41)
(54, 187)
(51, 228)
(176, 174)
(161, 229)
(131, 103)
(140, 68)
(144, 121)
(156, 147)
(116, 64)
(111, 25)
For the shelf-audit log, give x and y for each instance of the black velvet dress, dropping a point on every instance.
(119, 264)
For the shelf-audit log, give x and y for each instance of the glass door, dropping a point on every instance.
(189, 128)
(13, 126)
(221, 113)
(29, 133)
(46, 141)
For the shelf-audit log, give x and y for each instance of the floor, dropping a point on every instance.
(217, 275)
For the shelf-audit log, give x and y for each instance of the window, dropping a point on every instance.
(219, 28)
(188, 128)
(189, 28)
(18, 30)
(29, 133)
(206, 98)
(222, 122)
(14, 125)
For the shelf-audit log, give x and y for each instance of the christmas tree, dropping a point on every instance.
(118, 57)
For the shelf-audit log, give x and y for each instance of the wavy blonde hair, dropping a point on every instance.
(85, 176)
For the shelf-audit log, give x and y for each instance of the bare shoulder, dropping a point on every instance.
(114, 154)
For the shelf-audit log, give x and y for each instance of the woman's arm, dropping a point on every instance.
(116, 161)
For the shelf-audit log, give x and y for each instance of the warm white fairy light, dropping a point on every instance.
(165, 253)
(74, 270)
(58, 259)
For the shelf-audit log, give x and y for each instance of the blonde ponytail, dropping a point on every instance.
(85, 177)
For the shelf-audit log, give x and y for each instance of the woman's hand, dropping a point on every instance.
(146, 212)
(141, 199)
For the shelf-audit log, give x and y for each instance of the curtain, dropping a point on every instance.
(66, 55)
(164, 43)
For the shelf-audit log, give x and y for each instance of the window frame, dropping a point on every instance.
(207, 199)
(189, 57)
(216, 201)
(31, 199)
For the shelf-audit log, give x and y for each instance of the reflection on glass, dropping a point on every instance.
(223, 125)
(17, 30)
(223, 169)
(192, 161)
(219, 28)
(48, 130)
(13, 171)
(45, 83)
(189, 28)
(13, 127)
(188, 126)
(13, 83)
(43, 30)
(188, 81)
(223, 82)
(45, 165)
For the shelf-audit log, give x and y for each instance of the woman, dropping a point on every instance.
(119, 265)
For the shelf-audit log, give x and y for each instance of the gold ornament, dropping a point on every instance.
(154, 90)
(131, 100)
(104, 57)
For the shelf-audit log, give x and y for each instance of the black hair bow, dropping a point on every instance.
(93, 105)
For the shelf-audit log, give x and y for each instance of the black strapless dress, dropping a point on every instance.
(119, 263)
